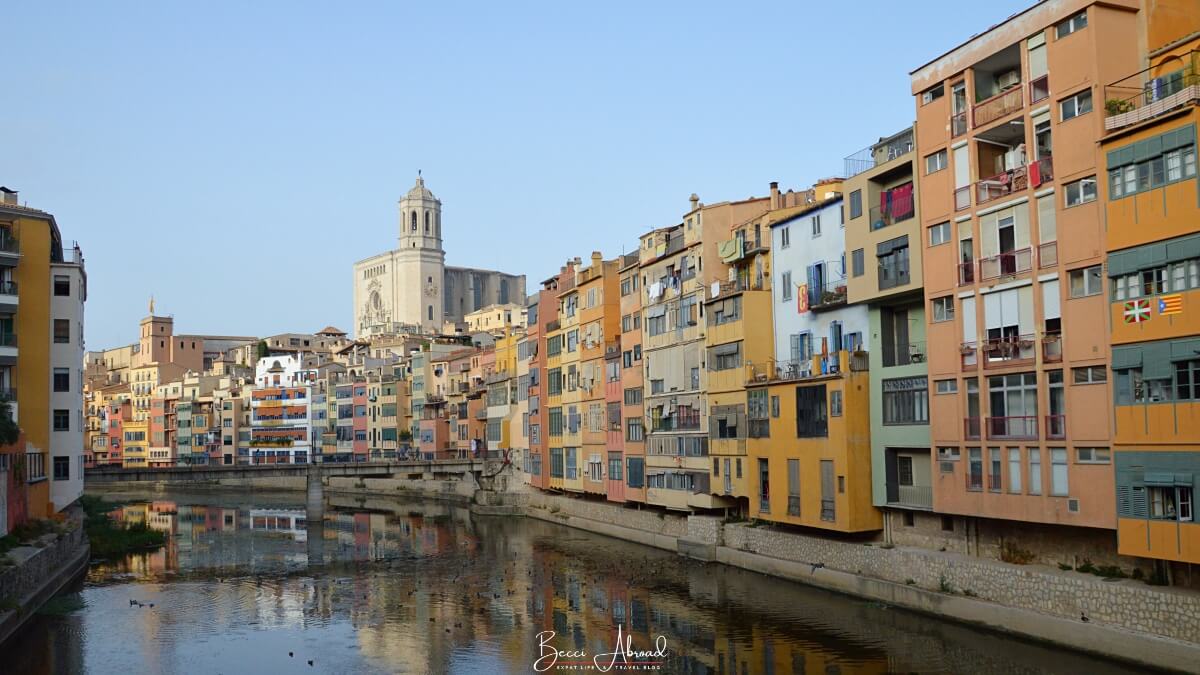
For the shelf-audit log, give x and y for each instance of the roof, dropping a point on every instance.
(807, 208)
(330, 330)
(419, 191)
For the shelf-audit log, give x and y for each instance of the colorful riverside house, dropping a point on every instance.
(817, 389)
(1152, 205)
(542, 309)
(554, 380)
(599, 328)
(571, 417)
(280, 419)
(633, 427)
(1007, 133)
(738, 335)
(883, 249)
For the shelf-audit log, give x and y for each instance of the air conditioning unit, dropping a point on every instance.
(1008, 79)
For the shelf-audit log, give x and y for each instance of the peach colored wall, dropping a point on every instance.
(1092, 484)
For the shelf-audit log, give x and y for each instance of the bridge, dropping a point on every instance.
(482, 470)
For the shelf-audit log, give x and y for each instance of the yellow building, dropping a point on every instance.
(554, 391)
(816, 469)
(572, 396)
(599, 316)
(136, 443)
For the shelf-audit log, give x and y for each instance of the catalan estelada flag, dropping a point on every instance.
(1170, 304)
(1137, 311)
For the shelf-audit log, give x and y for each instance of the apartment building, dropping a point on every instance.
(543, 312)
(599, 325)
(823, 478)
(1007, 139)
(883, 248)
(633, 445)
(1151, 207)
(569, 367)
(280, 422)
(43, 288)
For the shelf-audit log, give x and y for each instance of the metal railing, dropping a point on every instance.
(8, 288)
(1136, 98)
(1039, 89)
(903, 354)
(878, 154)
(966, 273)
(9, 244)
(1047, 254)
(799, 369)
(975, 480)
(829, 294)
(1056, 426)
(1011, 348)
(918, 496)
(1052, 347)
(1006, 264)
(896, 211)
(1017, 427)
(958, 124)
(1002, 184)
(971, 428)
(1041, 171)
(996, 107)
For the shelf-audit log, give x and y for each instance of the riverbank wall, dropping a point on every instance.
(38, 573)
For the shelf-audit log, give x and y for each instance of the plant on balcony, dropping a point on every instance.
(10, 432)
(1114, 106)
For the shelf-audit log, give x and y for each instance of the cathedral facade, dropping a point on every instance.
(411, 289)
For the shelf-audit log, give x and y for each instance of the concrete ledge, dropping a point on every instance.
(665, 542)
(75, 565)
(1139, 648)
(697, 550)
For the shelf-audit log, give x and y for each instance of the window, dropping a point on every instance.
(1074, 106)
(935, 162)
(725, 357)
(635, 476)
(1014, 470)
(974, 469)
(657, 387)
(1093, 456)
(1081, 191)
(1058, 472)
(994, 481)
(1065, 28)
(943, 309)
(816, 225)
(785, 290)
(855, 204)
(906, 400)
(793, 472)
(939, 234)
(856, 262)
(62, 331)
(785, 237)
(556, 422)
(1144, 166)
(1086, 281)
(1089, 375)
(946, 386)
(62, 379)
(633, 396)
(764, 486)
(1035, 471)
(634, 429)
(614, 466)
(725, 311)
(811, 421)
(933, 93)
(62, 420)
(62, 287)
(1170, 502)
(62, 468)
(835, 403)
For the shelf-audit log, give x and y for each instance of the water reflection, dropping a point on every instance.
(386, 586)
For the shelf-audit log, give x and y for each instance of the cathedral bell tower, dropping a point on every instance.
(420, 259)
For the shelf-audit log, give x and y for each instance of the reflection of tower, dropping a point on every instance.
(420, 260)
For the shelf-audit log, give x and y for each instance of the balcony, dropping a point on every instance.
(898, 210)
(971, 428)
(966, 273)
(1138, 98)
(1001, 185)
(912, 496)
(997, 107)
(1056, 427)
(1008, 350)
(1047, 254)
(1006, 264)
(958, 124)
(1013, 428)
(800, 369)
(1052, 348)
(9, 244)
(827, 295)
(886, 150)
(8, 296)
(903, 354)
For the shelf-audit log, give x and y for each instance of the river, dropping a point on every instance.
(247, 585)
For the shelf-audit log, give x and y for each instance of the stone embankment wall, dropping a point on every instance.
(646, 526)
(27, 585)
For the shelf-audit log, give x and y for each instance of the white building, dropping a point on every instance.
(808, 254)
(410, 289)
(68, 284)
(281, 420)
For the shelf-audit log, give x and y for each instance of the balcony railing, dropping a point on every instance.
(878, 154)
(1041, 171)
(971, 428)
(966, 273)
(916, 496)
(962, 198)
(975, 480)
(1132, 100)
(1047, 254)
(8, 339)
(8, 288)
(1039, 89)
(900, 209)
(994, 482)
(1000, 351)
(1052, 347)
(958, 124)
(1006, 264)
(9, 244)
(996, 107)
(1056, 426)
(1002, 184)
(969, 354)
(904, 354)
(1020, 427)
(828, 295)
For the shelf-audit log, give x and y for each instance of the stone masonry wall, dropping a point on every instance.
(18, 581)
(647, 520)
(1125, 604)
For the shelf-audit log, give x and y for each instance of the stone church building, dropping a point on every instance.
(411, 289)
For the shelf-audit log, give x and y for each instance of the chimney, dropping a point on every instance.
(10, 196)
(775, 195)
(695, 200)
(597, 258)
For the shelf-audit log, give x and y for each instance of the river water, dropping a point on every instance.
(247, 584)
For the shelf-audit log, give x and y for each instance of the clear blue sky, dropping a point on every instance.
(234, 159)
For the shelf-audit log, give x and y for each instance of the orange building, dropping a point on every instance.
(1008, 125)
(633, 429)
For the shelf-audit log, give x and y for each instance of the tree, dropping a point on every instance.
(263, 352)
(10, 432)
